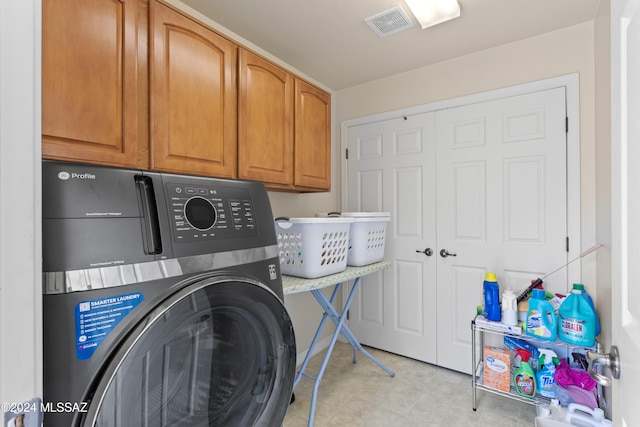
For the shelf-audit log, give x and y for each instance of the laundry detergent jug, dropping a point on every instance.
(491, 292)
(577, 319)
(542, 322)
(588, 297)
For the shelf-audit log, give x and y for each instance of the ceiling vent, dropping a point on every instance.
(389, 22)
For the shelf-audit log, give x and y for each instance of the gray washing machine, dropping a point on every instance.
(162, 301)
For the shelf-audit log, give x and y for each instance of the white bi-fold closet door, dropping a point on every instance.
(471, 188)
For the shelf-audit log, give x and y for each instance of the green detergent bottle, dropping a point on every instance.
(524, 378)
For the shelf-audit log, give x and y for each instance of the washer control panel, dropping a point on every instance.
(201, 212)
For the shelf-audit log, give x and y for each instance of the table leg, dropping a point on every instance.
(314, 341)
(473, 364)
(341, 328)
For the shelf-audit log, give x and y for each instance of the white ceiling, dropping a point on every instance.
(329, 41)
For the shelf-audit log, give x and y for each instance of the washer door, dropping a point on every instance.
(220, 352)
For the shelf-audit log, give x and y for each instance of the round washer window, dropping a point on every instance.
(217, 353)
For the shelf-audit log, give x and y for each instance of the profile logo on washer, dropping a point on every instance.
(64, 175)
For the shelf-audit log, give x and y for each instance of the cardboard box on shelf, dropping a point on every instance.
(497, 372)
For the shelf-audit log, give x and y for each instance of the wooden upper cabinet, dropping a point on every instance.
(89, 81)
(312, 137)
(284, 127)
(137, 83)
(193, 97)
(265, 121)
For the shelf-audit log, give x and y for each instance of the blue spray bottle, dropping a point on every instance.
(546, 370)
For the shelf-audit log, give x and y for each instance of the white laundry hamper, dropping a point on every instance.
(312, 247)
(366, 237)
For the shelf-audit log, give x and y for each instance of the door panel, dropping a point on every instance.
(501, 205)
(89, 81)
(265, 131)
(484, 181)
(193, 97)
(312, 137)
(625, 187)
(391, 169)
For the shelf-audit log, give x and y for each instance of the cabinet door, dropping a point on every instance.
(312, 137)
(193, 97)
(265, 131)
(89, 81)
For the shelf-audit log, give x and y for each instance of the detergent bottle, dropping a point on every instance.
(546, 369)
(577, 319)
(509, 308)
(524, 378)
(581, 415)
(590, 301)
(542, 322)
(491, 297)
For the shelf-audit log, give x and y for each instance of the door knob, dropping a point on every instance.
(611, 361)
(445, 253)
(427, 252)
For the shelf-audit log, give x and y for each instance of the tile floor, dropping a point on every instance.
(420, 394)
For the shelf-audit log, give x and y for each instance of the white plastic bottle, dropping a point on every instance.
(509, 308)
(557, 411)
(580, 415)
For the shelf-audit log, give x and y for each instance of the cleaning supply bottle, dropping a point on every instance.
(524, 378)
(542, 322)
(588, 297)
(581, 415)
(577, 319)
(546, 370)
(491, 297)
(551, 410)
(509, 308)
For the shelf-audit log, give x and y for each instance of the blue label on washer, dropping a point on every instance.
(95, 319)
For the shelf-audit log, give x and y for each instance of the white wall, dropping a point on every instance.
(20, 247)
(603, 173)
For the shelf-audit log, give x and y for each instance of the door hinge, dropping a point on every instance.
(566, 124)
(346, 153)
(567, 244)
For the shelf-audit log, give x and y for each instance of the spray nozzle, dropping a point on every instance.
(524, 354)
(547, 358)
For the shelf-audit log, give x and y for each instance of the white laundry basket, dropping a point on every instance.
(366, 237)
(312, 247)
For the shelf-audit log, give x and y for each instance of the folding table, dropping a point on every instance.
(294, 285)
